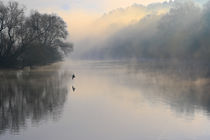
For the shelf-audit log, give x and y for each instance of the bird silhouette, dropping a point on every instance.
(73, 88)
(73, 76)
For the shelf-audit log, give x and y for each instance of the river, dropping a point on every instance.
(107, 100)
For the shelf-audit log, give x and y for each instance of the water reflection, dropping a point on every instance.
(32, 95)
(184, 87)
(114, 100)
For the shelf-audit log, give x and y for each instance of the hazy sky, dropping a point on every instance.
(90, 5)
(79, 13)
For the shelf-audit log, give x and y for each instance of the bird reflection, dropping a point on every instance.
(73, 76)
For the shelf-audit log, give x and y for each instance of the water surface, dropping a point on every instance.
(111, 100)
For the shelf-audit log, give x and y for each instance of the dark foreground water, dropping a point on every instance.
(106, 101)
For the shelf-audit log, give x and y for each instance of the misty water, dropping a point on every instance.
(108, 100)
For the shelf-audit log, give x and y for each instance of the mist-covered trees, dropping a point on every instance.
(30, 40)
(181, 34)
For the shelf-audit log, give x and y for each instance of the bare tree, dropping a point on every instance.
(12, 17)
(20, 35)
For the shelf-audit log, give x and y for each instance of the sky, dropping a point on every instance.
(75, 10)
(100, 6)
(80, 14)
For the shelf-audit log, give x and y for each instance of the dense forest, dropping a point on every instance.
(36, 39)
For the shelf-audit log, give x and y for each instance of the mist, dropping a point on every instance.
(171, 30)
(96, 31)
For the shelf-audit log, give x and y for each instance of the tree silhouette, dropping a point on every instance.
(24, 39)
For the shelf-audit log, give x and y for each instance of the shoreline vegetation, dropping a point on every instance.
(34, 40)
(181, 33)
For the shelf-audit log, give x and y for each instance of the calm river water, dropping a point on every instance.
(108, 100)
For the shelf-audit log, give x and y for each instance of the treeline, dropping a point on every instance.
(181, 34)
(36, 39)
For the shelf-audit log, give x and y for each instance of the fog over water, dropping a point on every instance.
(112, 100)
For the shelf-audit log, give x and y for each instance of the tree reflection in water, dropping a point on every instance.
(31, 95)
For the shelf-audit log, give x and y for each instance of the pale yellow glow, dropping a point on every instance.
(79, 23)
(85, 24)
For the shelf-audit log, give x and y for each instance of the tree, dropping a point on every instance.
(12, 17)
(22, 37)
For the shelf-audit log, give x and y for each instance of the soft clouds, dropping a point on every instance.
(90, 5)
(113, 4)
